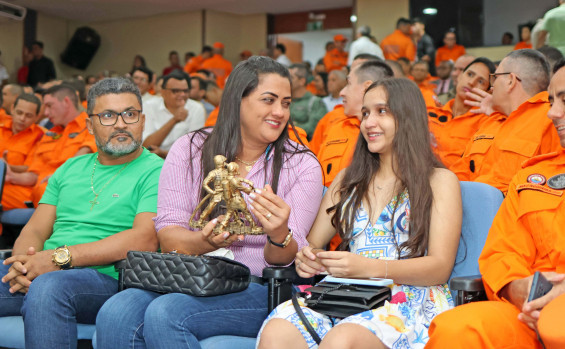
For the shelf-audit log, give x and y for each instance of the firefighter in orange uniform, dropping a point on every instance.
(453, 125)
(399, 43)
(527, 236)
(337, 58)
(195, 63)
(498, 148)
(217, 64)
(69, 137)
(18, 137)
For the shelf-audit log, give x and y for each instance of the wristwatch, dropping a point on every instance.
(62, 257)
(284, 243)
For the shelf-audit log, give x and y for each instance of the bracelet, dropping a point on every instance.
(284, 243)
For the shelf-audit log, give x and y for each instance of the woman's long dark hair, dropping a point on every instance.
(413, 165)
(225, 137)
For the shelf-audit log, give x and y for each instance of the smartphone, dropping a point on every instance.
(540, 287)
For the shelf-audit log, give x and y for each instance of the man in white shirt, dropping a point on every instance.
(143, 77)
(364, 44)
(172, 116)
(280, 55)
(336, 82)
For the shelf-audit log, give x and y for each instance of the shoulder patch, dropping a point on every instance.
(539, 158)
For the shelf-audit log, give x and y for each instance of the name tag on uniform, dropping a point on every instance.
(337, 141)
(531, 186)
(479, 137)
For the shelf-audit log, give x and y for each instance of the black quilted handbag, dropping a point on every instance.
(199, 276)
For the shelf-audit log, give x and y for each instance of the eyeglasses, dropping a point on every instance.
(494, 75)
(110, 117)
(176, 91)
(140, 78)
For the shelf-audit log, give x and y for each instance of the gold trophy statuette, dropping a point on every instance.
(227, 187)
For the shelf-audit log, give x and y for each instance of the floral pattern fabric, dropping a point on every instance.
(401, 323)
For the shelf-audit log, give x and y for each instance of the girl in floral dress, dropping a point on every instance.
(398, 212)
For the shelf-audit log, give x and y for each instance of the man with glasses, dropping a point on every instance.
(518, 127)
(68, 138)
(95, 209)
(172, 116)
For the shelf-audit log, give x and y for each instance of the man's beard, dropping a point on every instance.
(117, 150)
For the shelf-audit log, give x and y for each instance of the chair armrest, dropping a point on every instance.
(469, 289)
(7, 253)
(472, 283)
(280, 284)
(119, 266)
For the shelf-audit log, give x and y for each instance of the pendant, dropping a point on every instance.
(93, 202)
(248, 167)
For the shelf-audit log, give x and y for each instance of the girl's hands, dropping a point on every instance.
(344, 264)
(307, 264)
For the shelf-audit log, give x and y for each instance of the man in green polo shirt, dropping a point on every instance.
(306, 109)
(96, 208)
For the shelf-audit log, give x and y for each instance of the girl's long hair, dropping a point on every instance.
(413, 165)
(225, 137)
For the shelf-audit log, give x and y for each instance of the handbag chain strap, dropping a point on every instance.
(303, 318)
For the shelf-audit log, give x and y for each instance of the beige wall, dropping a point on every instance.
(152, 37)
(54, 33)
(236, 32)
(381, 15)
(11, 39)
(496, 53)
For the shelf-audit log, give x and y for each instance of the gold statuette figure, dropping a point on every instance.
(227, 187)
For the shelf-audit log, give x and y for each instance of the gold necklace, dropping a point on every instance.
(248, 165)
(94, 201)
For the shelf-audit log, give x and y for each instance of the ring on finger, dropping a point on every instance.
(268, 215)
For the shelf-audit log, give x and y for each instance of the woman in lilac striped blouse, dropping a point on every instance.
(252, 131)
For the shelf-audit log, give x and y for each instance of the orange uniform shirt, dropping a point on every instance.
(4, 116)
(213, 118)
(336, 152)
(398, 45)
(527, 233)
(498, 148)
(17, 148)
(220, 66)
(335, 59)
(526, 236)
(522, 44)
(320, 132)
(293, 136)
(429, 96)
(56, 146)
(450, 135)
(193, 64)
(445, 53)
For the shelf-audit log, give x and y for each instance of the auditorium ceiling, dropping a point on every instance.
(103, 10)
